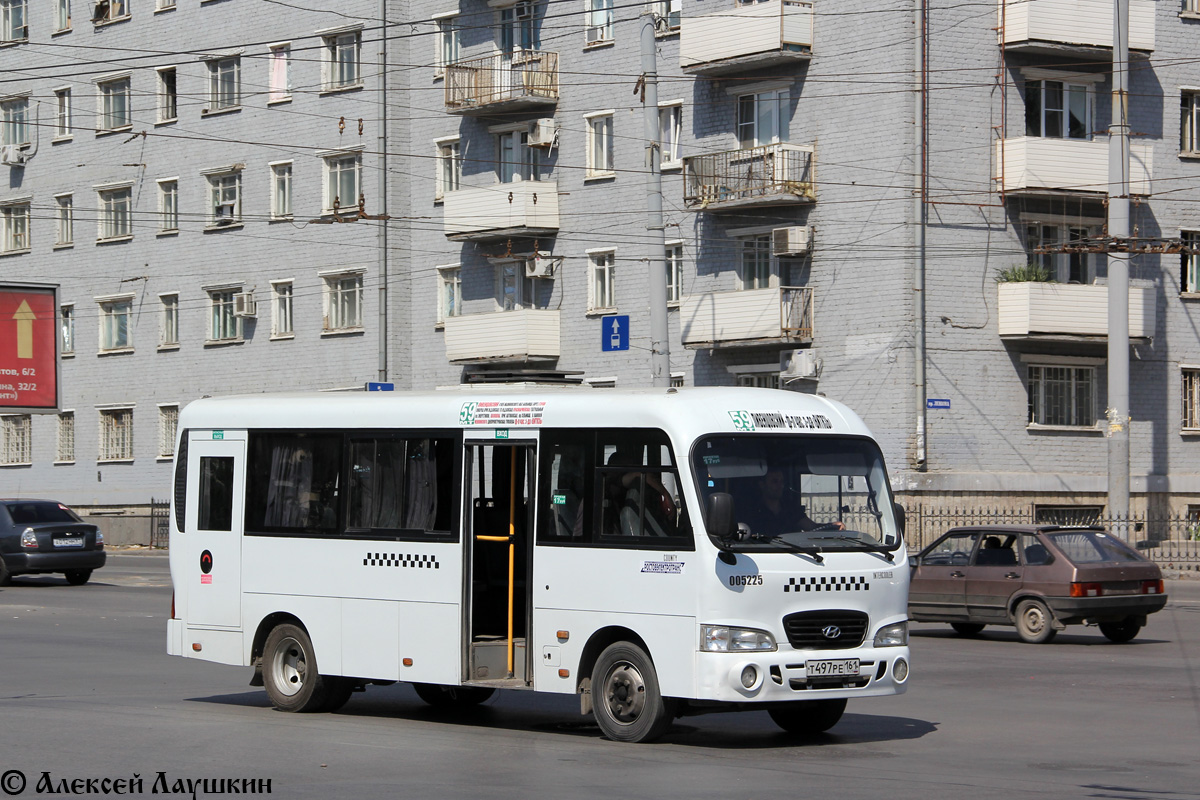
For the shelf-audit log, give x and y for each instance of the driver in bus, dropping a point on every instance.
(777, 513)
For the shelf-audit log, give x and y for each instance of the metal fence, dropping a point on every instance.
(160, 522)
(501, 78)
(753, 172)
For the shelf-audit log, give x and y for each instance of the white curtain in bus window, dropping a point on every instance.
(400, 484)
(294, 483)
(216, 493)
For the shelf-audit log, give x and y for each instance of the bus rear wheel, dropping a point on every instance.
(626, 700)
(290, 671)
(450, 697)
(809, 717)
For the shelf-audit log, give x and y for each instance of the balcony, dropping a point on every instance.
(526, 334)
(1058, 27)
(1033, 165)
(1049, 310)
(754, 316)
(481, 213)
(502, 82)
(771, 34)
(771, 175)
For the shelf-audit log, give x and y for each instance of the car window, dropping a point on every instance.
(954, 550)
(30, 513)
(1090, 547)
(996, 550)
(1034, 551)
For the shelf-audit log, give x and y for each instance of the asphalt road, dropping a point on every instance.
(86, 691)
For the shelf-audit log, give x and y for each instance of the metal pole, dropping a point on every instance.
(1118, 277)
(660, 343)
(920, 210)
(383, 194)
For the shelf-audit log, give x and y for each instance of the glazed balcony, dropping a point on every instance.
(520, 208)
(1046, 310)
(1035, 165)
(525, 334)
(754, 316)
(770, 175)
(502, 82)
(1067, 27)
(771, 34)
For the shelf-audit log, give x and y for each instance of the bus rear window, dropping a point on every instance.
(293, 483)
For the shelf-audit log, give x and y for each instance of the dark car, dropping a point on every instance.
(1039, 578)
(44, 536)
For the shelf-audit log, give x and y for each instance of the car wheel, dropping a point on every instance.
(5, 575)
(626, 700)
(1120, 632)
(809, 717)
(450, 697)
(77, 577)
(967, 628)
(1034, 622)
(290, 671)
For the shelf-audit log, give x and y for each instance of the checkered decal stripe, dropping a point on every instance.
(401, 560)
(828, 584)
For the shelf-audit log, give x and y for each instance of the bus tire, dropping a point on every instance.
(77, 577)
(290, 672)
(449, 697)
(1121, 632)
(1034, 622)
(809, 717)
(626, 700)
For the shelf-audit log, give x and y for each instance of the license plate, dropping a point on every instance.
(841, 666)
(74, 541)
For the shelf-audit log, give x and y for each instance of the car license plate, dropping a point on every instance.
(73, 541)
(841, 666)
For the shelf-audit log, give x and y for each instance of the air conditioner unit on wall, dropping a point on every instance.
(244, 305)
(540, 266)
(223, 213)
(11, 155)
(797, 364)
(544, 133)
(793, 240)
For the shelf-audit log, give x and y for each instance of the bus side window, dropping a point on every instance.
(638, 489)
(566, 461)
(216, 493)
(294, 483)
(400, 485)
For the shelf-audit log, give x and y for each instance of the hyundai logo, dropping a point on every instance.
(831, 631)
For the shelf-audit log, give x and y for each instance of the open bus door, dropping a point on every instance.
(498, 549)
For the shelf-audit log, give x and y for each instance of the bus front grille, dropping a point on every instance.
(825, 630)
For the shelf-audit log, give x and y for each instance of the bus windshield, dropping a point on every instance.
(812, 492)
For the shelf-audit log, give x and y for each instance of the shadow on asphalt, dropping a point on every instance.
(1083, 638)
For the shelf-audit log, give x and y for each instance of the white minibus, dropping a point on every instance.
(658, 552)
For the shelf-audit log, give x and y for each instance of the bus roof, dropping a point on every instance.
(684, 412)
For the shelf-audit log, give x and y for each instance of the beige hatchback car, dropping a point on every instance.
(1039, 578)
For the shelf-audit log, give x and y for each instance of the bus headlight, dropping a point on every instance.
(894, 635)
(724, 639)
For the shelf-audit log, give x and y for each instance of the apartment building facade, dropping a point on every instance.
(515, 178)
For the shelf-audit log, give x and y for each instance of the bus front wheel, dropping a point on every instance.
(290, 671)
(626, 699)
(809, 717)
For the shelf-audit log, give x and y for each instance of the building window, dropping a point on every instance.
(64, 215)
(343, 302)
(281, 191)
(116, 434)
(1189, 123)
(168, 95)
(14, 121)
(169, 329)
(342, 181)
(62, 15)
(116, 213)
(224, 198)
(447, 44)
(65, 447)
(341, 61)
(670, 132)
(279, 77)
(1062, 267)
(520, 27)
(449, 292)
(757, 262)
(15, 219)
(599, 145)
(110, 10)
(224, 325)
(599, 21)
(1058, 110)
(115, 111)
(1189, 279)
(168, 205)
(1062, 395)
(1191, 398)
(18, 438)
(62, 113)
(14, 25)
(163, 5)
(763, 118)
(670, 11)
(449, 168)
(224, 84)
(168, 424)
(602, 281)
(674, 257)
(761, 380)
(281, 309)
(115, 330)
(513, 290)
(515, 159)
(66, 328)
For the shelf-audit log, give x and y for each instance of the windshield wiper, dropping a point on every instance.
(871, 548)
(812, 552)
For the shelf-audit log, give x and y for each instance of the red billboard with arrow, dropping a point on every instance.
(28, 348)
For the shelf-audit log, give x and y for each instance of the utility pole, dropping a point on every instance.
(660, 343)
(1118, 276)
(921, 213)
(383, 193)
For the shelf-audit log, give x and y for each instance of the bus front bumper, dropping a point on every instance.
(788, 675)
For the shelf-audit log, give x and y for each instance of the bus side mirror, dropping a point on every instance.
(718, 518)
(898, 510)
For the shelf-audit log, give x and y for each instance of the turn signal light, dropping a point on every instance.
(1152, 587)
(407, 662)
(1087, 589)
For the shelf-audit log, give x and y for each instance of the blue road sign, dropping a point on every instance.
(372, 386)
(614, 333)
(935, 402)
